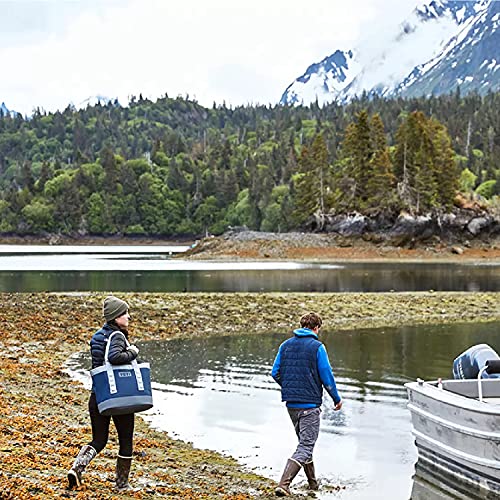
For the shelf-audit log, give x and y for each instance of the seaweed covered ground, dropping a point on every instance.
(44, 419)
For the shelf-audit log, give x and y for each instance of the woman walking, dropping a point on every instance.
(115, 312)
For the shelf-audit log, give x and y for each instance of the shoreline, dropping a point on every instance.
(45, 419)
(250, 246)
(323, 247)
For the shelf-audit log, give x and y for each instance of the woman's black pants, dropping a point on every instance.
(100, 429)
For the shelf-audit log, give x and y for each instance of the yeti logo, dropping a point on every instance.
(124, 374)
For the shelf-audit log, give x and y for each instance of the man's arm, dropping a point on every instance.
(276, 367)
(326, 376)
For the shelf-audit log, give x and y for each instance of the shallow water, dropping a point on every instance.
(153, 269)
(218, 393)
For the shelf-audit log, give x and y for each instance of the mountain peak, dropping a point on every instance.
(327, 77)
(4, 111)
(392, 63)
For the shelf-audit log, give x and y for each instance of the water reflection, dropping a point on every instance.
(160, 274)
(430, 484)
(218, 393)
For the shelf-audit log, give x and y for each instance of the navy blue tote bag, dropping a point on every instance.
(122, 389)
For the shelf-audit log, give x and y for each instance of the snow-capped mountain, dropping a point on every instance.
(322, 80)
(470, 60)
(97, 99)
(399, 60)
(4, 111)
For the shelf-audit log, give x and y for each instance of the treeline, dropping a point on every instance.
(173, 167)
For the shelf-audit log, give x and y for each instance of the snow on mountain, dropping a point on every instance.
(97, 99)
(470, 60)
(4, 111)
(384, 59)
(387, 60)
(324, 80)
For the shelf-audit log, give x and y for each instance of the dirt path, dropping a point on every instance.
(44, 418)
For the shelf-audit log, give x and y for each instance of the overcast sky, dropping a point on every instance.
(53, 52)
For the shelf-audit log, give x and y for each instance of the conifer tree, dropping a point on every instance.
(312, 183)
(380, 185)
(446, 172)
(305, 201)
(357, 152)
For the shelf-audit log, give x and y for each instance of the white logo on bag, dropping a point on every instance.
(124, 374)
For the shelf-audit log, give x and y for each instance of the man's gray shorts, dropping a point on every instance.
(306, 424)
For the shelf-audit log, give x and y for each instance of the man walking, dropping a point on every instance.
(302, 369)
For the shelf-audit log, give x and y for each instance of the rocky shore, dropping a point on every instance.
(44, 418)
(252, 245)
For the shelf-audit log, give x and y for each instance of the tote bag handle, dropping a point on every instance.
(109, 367)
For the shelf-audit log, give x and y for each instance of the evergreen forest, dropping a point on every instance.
(173, 167)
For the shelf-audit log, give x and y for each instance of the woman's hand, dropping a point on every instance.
(134, 349)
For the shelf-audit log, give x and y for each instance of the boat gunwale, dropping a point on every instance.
(453, 399)
(489, 435)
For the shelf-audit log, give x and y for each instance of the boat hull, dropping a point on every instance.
(457, 435)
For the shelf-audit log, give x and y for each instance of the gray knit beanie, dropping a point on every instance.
(113, 307)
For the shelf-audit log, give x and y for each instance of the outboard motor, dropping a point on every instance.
(469, 363)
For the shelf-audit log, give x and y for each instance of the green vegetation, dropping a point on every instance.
(173, 167)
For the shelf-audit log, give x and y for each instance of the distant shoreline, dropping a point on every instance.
(307, 247)
(328, 247)
(56, 240)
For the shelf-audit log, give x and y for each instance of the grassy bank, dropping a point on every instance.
(44, 419)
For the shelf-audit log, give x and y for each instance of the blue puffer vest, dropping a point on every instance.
(299, 373)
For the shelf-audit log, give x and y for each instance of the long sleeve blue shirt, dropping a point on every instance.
(324, 369)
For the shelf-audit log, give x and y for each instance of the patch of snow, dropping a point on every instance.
(385, 63)
(460, 14)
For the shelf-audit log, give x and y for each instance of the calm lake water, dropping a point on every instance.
(218, 393)
(51, 268)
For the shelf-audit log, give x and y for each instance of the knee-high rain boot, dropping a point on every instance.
(122, 472)
(292, 468)
(84, 457)
(311, 475)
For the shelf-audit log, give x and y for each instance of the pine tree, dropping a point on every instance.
(357, 153)
(446, 171)
(306, 188)
(380, 185)
(312, 183)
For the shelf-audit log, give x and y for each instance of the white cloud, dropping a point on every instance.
(213, 50)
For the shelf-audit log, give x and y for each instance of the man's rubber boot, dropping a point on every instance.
(292, 468)
(122, 472)
(84, 457)
(311, 476)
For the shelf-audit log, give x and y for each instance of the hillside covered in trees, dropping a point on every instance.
(173, 167)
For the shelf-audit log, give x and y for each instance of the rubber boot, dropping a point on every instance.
(84, 457)
(122, 472)
(292, 468)
(311, 476)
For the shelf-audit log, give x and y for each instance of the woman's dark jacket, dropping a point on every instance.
(118, 353)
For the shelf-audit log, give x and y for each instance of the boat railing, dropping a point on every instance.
(490, 367)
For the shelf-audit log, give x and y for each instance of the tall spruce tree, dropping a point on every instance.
(445, 168)
(358, 153)
(380, 184)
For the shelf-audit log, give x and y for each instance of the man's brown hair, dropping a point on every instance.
(311, 320)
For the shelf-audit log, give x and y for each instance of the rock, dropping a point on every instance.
(457, 250)
(477, 224)
(353, 224)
